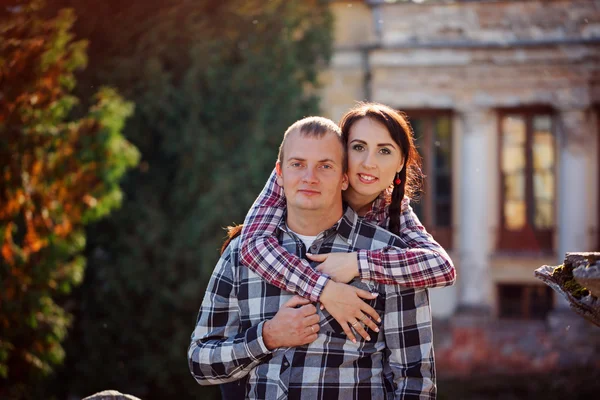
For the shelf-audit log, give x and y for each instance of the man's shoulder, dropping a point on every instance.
(231, 252)
(378, 235)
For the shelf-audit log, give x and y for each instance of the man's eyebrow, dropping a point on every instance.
(320, 161)
(378, 144)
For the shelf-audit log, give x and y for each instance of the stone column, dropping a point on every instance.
(473, 268)
(574, 134)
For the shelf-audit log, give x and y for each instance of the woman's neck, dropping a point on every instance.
(359, 203)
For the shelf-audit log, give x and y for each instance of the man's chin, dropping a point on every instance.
(307, 206)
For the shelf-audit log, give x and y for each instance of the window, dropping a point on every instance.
(433, 135)
(524, 301)
(527, 178)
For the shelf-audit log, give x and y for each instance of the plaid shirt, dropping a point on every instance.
(227, 343)
(418, 261)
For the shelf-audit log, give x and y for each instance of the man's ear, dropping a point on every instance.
(278, 170)
(345, 181)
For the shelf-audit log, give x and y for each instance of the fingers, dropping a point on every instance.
(317, 257)
(360, 329)
(313, 329)
(366, 294)
(369, 323)
(310, 338)
(348, 332)
(370, 311)
(307, 310)
(296, 301)
(312, 319)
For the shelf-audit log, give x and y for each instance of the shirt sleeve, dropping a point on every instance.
(422, 263)
(262, 253)
(220, 351)
(409, 342)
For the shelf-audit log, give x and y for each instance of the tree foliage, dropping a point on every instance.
(215, 83)
(56, 175)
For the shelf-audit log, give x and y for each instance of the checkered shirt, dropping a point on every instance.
(418, 262)
(227, 343)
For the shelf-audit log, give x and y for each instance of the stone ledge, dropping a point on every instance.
(578, 280)
(111, 395)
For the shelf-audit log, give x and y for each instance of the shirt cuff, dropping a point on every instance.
(363, 264)
(318, 289)
(255, 344)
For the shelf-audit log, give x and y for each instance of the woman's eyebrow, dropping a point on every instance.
(378, 144)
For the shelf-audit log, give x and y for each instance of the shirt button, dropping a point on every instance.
(286, 364)
(313, 247)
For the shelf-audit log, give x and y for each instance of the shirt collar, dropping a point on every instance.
(344, 227)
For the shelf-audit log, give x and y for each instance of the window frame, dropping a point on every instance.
(529, 239)
(442, 234)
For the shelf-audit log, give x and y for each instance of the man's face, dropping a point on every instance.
(311, 172)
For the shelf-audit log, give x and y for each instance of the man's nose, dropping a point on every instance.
(310, 176)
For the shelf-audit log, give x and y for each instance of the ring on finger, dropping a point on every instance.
(312, 329)
(363, 317)
(355, 323)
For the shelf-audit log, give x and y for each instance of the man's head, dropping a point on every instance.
(311, 166)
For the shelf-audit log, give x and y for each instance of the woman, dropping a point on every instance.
(383, 171)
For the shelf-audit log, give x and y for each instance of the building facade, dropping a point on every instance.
(504, 99)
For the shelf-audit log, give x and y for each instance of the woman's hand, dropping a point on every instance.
(341, 267)
(345, 303)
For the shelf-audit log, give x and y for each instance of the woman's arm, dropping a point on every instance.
(262, 253)
(422, 264)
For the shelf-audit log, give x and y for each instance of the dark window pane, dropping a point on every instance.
(541, 301)
(443, 214)
(510, 301)
(443, 186)
(525, 301)
(418, 209)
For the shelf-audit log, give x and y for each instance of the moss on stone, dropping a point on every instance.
(564, 276)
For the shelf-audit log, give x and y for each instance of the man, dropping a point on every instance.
(248, 328)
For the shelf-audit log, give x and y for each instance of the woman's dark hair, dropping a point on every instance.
(401, 132)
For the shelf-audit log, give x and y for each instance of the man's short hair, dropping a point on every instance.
(316, 127)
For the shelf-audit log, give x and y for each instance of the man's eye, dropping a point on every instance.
(326, 166)
(295, 165)
(358, 147)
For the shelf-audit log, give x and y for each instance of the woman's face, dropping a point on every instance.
(374, 157)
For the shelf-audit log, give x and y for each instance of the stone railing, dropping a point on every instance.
(578, 280)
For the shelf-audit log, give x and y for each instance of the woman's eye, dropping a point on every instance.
(358, 147)
(385, 151)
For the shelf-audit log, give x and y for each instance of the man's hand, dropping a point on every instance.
(345, 304)
(341, 267)
(295, 324)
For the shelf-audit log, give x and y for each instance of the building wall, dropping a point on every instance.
(476, 58)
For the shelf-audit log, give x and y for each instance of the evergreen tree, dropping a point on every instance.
(56, 175)
(215, 83)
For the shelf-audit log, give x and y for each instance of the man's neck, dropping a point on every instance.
(311, 223)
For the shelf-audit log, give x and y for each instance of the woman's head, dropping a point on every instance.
(380, 149)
